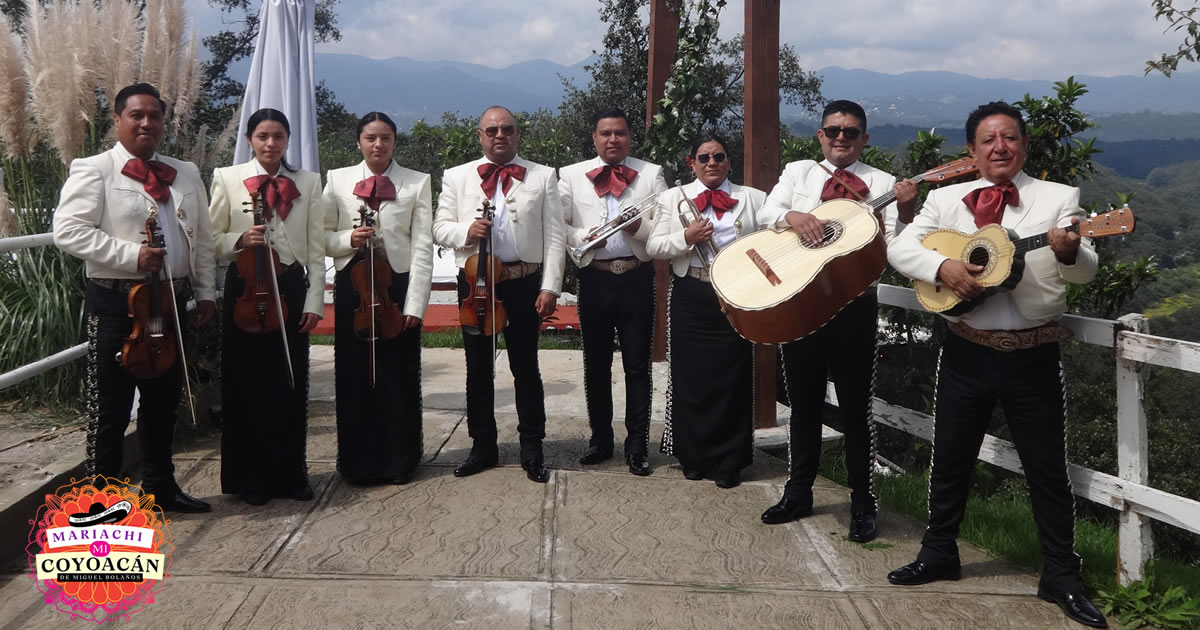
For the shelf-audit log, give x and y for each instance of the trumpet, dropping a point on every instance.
(688, 212)
(596, 237)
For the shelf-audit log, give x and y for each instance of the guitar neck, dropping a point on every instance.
(1030, 243)
(890, 196)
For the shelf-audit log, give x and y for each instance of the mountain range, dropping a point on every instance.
(410, 89)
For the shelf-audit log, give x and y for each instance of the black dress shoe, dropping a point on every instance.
(786, 511)
(862, 527)
(638, 464)
(595, 455)
(304, 493)
(919, 572)
(255, 499)
(475, 463)
(691, 474)
(1075, 606)
(536, 471)
(728, 480)
(180, 501)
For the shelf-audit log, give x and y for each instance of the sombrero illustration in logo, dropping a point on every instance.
(99, 515)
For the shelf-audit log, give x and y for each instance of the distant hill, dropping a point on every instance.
(410, 89)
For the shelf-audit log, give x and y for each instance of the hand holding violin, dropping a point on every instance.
(253, 237)
(360, 235)
(478, 230)
(151, 258)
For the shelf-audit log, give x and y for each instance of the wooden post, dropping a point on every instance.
(664, 39)
(762, 160)
(1135, 542)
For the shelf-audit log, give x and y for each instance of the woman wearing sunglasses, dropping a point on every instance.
(710, 425)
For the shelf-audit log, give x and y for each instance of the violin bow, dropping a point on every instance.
(370, 263)
(287, 351)
(187, 382)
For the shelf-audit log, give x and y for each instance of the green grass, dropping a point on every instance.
(1002, 524)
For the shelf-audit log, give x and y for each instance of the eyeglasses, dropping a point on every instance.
(832, 132)
(505, 130)
(716, 157)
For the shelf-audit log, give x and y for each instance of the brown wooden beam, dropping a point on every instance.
(762, 159)
(664, 39)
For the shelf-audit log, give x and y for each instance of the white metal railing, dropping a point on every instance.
(45, 364)
(1126, 492)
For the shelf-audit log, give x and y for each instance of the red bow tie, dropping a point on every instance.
(834, 189)
(611, 179)
(156, 177)
(278, 193)
(375, 189)
(988, 203)
(494, 173)
(720, 201)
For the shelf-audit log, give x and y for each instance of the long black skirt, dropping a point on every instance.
(265, 422)
(710, 398)
(378, 428)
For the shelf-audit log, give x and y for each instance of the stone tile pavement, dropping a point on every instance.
(594, 548)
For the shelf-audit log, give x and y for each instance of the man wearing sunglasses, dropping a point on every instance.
(845, 346)
(616, 284)
(526, 234)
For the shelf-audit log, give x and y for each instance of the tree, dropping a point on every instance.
(227, 47)
(1179, 20)
(619, 75)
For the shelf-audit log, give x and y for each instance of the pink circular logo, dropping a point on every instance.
(100, 549)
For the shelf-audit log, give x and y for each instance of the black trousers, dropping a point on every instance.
(110, 396)
(521, 337)
(1028, 385)
(845, 349)
(624, 303)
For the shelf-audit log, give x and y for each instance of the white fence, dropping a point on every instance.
(1127, 492)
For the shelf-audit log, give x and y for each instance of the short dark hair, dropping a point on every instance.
(708, 137)
(609, 112)
(845, 107)
(266, 114)
(137, 88)
(992, 109)
(373, 117)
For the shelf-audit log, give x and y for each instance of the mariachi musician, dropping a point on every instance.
(710, 403)
(616, 287)
(379, 389)
(264, 384)
(101, 218)
(845, 346)
(527, 237)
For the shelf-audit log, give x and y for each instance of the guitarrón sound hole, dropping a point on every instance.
(833, 231)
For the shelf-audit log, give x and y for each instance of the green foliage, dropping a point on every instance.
(1183, 21)
(1054, 153)
(675, 124)
(1140, 604)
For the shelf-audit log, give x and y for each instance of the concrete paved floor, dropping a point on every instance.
(595, 548)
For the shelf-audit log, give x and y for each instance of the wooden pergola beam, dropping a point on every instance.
(762, 160)
(664, 40)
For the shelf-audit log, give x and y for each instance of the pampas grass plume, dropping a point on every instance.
(15, 131)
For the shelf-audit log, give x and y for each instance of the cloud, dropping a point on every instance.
(1019, 39)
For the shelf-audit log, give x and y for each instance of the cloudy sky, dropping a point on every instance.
(1025, 39)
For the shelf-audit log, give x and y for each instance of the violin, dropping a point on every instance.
(151, 348)
(480, 313)
(259, 309)
(377, 314)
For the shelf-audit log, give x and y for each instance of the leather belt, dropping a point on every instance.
(616, 266)
(512, 271)
(124, 286)
(1010, 340)
(700, 273)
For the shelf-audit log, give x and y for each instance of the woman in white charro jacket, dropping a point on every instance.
(379, 427)
(710, 403)
(265, 419)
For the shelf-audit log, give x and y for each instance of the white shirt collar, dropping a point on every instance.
(258, 167)
(853, 168)
(125, 155)
(367, 172)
